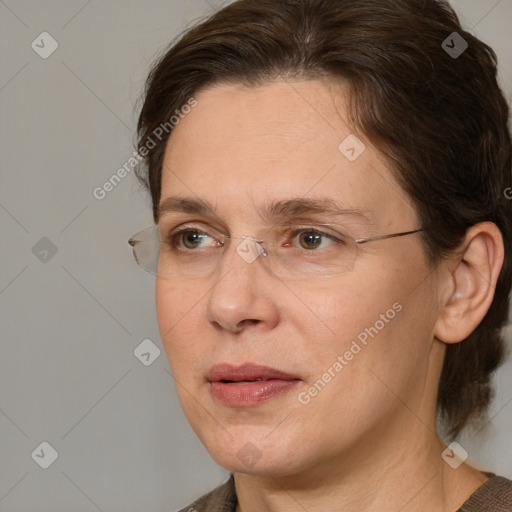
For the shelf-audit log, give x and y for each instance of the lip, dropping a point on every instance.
(263, 383)
(248, 371)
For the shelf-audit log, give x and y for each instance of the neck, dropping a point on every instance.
(392, 469)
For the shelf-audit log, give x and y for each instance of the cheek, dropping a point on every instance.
(336, 312)
(177, 310)
(373, 324)
(357, 364)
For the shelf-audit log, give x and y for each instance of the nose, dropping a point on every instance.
(242, 295)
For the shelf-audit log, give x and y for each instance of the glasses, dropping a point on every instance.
(288, 251)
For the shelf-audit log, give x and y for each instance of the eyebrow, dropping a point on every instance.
(276, 210)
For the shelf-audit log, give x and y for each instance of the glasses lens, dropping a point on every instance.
(309, 252)
(146, 249)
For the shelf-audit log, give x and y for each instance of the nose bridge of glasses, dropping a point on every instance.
(250, 248)
(257, 240)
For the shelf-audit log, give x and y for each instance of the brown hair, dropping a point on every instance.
(440, 120)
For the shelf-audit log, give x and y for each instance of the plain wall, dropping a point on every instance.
(73, 304)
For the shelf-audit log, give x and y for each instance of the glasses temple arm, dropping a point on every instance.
(383, 237)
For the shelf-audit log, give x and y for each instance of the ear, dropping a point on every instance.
(471, 283)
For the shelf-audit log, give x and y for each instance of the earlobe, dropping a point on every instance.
(471, 283)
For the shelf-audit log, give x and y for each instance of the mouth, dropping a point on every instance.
(248, 385)
(246, 373)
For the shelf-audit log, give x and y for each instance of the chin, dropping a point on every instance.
(253, 451)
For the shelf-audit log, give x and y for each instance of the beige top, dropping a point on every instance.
(495, 495)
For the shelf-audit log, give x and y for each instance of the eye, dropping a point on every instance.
(311, 239)
(191, 239)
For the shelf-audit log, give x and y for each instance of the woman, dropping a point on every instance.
(332, 246)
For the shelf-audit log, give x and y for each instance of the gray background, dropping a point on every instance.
(70, 321)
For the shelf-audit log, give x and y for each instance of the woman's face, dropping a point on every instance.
(356, 350)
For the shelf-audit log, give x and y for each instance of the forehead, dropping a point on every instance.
(241, 148)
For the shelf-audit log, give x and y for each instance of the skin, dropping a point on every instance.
(368, 440)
